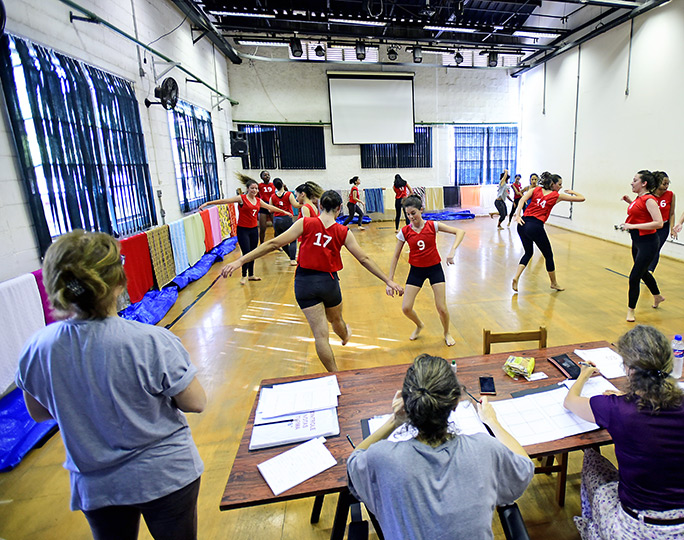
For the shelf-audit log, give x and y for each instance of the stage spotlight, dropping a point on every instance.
(492, 59)
(296, 47)
(319, 50)
(458, 58)
(360, 50)
(392, 54)
(417, 55)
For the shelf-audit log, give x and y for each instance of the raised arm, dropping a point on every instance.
(656, 216)
(571, 196)
(290, 235)
(369, 264)
(397, 418)
(236, 199)
(488, 416)
(272, 208)
(574, 402)
(459, 234)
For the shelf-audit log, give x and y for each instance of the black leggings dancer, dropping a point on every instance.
(399, 209)
(644, 249)
(662, 235)
(501, 207)
(248, 239)
(533, 233)
(515, 206)
(280, 225)
(353, 208)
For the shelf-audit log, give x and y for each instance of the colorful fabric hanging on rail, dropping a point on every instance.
(194, 237)
(233, 219)
(179, 246)
(224, 220)
(137, 265)
(374, 200)
(215, 221)
(47, 308)
(161, 254)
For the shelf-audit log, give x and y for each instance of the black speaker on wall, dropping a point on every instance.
(238, 143)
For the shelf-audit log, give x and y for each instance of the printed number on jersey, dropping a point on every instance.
(421, 244)
(326, 239)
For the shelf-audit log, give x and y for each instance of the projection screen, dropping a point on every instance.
(368, 108)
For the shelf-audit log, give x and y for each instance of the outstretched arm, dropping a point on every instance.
(274, 208)
(290, 235)
(571, 196)
(369, 264)
(236, 199)
(459, 234)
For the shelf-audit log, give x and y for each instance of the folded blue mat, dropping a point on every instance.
(448, 215)
(19, 433)
(364, 219)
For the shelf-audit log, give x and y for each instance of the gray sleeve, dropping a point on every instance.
(360, 478)
(170, 371)
(514, 473)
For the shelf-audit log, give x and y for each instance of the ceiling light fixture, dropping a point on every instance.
(253, 43)
(535, 35)
(458, 58)
(492, 59)
(451, 29)
(296, 47)
(242, 14)
(357, 22)
(360, 50)
(392, 54)
(319, 50)
(417, 55)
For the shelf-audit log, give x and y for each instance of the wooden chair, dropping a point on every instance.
(548, 467)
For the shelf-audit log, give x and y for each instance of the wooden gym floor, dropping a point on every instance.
(238, 336)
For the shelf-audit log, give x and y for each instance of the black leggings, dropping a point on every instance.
(501, 207)
(248, 239)
(644, 248)
(280, 225)
(533, 233)
(353, 208)
(172, 517)
(515, 205)
(399, 208)
(662, 235)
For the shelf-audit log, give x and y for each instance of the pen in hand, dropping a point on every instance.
(351, 442)
(473, 397)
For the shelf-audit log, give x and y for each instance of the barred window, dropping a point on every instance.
(284, 147)
(400, 156)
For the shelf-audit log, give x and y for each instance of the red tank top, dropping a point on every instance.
(540, 205)
(665, 204)
(422, 245)
(248, 213)
(282, 202)
(517, 191)
(638, 213)
(401, 193)
(265, 191)
(354, 195)
(320, 247)
(313, 212)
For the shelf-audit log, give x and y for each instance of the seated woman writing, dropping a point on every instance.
(439, 485)
(644, 499)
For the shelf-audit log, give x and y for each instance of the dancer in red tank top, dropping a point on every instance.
(317, 288)
(307, 195)
(531, 229)
(282, 221)
(425, 262)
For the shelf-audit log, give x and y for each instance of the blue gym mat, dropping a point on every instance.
(448, 215)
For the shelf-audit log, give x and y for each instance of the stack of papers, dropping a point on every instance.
(295, 412)
(296, 465)
(608, 362)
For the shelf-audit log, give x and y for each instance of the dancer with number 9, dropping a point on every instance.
(317, 286)
(425, 263)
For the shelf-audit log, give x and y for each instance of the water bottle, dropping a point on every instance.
(678, 353)
(454, 368)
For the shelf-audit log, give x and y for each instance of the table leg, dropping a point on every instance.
(316, 510)
(341, 515)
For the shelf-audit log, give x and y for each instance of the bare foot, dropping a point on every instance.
(293, 263)
(243, 280)
(657, 300)
(254, 278)
(415, 333)
(362, 228)
(346, 340)
(515, 284)
(557, 287)
(492, 214)
(499, 227)
(449, 340)
(630, 315)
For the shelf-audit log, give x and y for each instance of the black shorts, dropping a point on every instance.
(264, 211)
(418, 275)
(313, 287)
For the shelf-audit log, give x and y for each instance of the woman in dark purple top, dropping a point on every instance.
(644, 499)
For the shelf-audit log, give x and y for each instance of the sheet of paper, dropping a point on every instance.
(464, 420)
(298, 428)
(298, 464)
(595, 386)
(605, 359)
(281, 400)
(538, 418)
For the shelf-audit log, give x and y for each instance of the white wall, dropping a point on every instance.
(47, 22)
(617, 134)
(276, 91)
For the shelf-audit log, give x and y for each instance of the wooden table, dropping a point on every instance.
(369, 392)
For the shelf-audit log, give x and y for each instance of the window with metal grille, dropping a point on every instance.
(284, 147)
(400, 156)
(481, 153)
(79, 143)
(194, 155)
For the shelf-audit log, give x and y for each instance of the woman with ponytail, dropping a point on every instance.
(531, 229)
(423, 488)
(401, 191)
(308, 195)
(248, 220)
(644, 497)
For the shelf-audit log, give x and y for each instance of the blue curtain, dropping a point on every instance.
(482, 153)
(284, 147)
(374, 200)
(502, 151)
(400, 156)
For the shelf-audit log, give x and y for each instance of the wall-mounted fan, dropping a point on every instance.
(166, 93)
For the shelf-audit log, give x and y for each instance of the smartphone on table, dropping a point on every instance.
(566, 366)
(487, 387)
